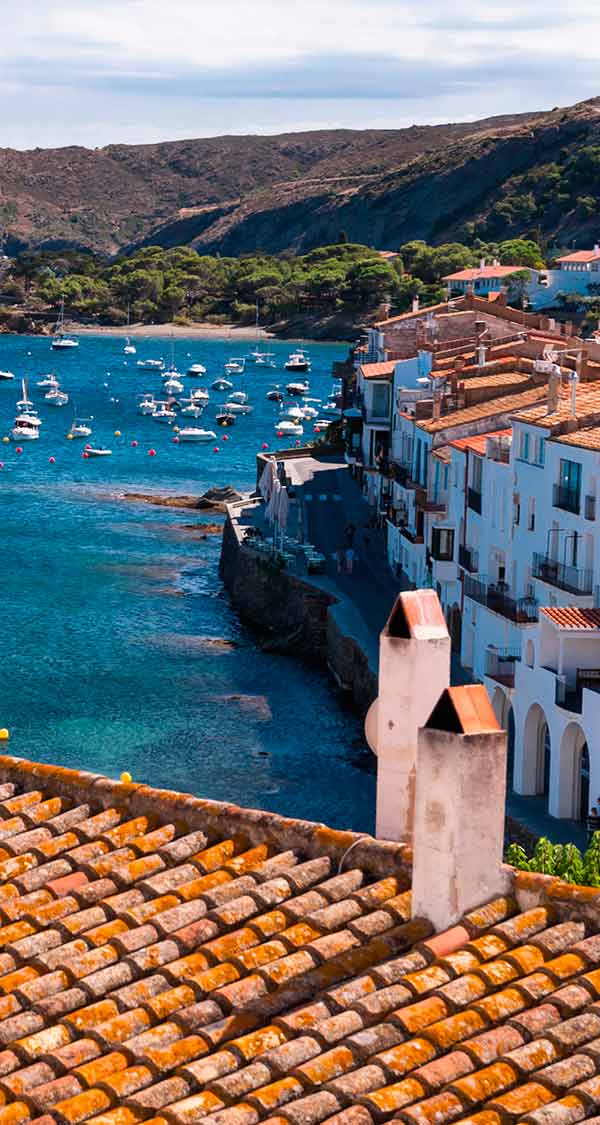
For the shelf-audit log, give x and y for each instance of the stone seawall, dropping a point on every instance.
(299, 618)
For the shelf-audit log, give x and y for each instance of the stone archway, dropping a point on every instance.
(573, 797)
(536, 753)
(503, 710)
(454, 621)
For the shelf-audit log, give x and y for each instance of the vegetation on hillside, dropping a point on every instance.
(565, 861)
(157, 286)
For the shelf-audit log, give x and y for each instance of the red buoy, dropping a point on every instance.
(152, 453)
(52, 460)
(85, 455)
(1, 464)
(134, 445)
(175, 440)
(225, 437)
(264, 445)
(88, 446)
(18, 449)
(279, 433)
(216, 449)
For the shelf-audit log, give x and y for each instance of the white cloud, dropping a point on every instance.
(95, 71)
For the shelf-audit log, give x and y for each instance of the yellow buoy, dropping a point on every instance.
(4, 735)
(69, 437)
(117, 433)
(5, 440)
(176, 429)
(126, 778)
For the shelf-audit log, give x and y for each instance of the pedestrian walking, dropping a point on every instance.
(349, 560)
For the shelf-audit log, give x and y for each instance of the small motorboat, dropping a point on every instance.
(129, 348)
(164, 413)
(275, 395)
(196, 371)
(225, 418)
(6, 375)
(172, 385)
(288, 428)
(146, 404)
(297, 389)
(293, 414)
(265, 359)
(48, 381)
(297, 361)
(331, 407)
(237, 407)
(56, 397)
(309, 412)
(193, 433)
(221, 384)
(80, 429)
(98, 451)
(25, 429)
(151, 364)
(322, 424)
(200, 396)
(235, 366)
(191, 409)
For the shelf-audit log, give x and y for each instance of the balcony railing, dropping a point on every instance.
(566, 498)
(500, 664)
(474, 500)
(590, 508)
(571, 697)
(468, 559)
(412, 536)
(492, 596)
(573, 579)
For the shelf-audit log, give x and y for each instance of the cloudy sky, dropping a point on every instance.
(91, 72)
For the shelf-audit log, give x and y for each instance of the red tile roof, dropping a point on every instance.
(212, 963)
(572, 617)
(477, 442)
(383, 370)
(481, 272)
(580, 256)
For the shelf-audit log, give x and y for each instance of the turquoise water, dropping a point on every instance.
(108, 608)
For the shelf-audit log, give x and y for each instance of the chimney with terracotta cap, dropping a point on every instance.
(458, 834)
(414, 669)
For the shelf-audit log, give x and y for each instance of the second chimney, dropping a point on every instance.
(458, 834)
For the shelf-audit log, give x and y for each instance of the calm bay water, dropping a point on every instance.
(109, 609)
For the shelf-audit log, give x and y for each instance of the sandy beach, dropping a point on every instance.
(190, 331)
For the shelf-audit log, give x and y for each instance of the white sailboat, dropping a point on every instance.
(194, 433)
(80, 428)
(61, 339)
(129, 348)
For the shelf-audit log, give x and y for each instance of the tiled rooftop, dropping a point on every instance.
(586, 438)
(505, 404)
(153, 971)
(477, 443)
(383, 370)
(587, 403)
(481, 273)
(572, 617)
(497, 379)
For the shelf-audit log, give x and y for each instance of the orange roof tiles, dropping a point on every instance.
(572, 617)
(229, 974)
(505, 404)
(580, 256)
(383, 370)
(477, 443)
(481, 273)
(587, 403)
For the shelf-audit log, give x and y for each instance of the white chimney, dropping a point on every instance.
(459, 808)
(574, 379)
(482, 263)
(481, 353)
(414, 668)
(553, 385)
(596, 249)
(415, 305)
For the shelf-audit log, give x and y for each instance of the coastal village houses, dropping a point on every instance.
(577, 273)
(486, 478)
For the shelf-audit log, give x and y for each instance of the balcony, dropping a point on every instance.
(573, 579)
(590, 508)
(566, 498)
(412, 536)
(468, 559)
(474, 500)
(500, 664)
(401, 474)
(523, 611)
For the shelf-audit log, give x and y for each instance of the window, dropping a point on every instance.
(476, 474)
(567, 492)
(531, 515)
(380, 400)
(524, 447)
(442, 543)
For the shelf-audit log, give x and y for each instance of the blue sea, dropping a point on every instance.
(109, 609)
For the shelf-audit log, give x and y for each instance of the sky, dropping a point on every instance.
(95, 72)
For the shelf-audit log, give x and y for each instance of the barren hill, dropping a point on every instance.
(236, 194)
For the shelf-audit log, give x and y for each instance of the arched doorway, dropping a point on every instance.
(502, 708)
(574, 798)
(536, 753)
(455, 627)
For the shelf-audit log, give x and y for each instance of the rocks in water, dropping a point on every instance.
(214, 499)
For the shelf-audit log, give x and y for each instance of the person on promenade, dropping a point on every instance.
(349, 559)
